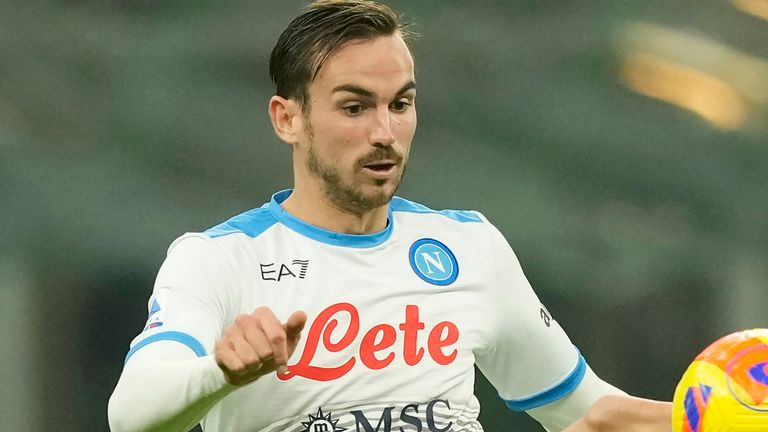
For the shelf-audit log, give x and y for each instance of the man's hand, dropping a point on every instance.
(616, 413)
(257, 344)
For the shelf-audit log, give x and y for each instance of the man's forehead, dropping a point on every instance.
(380, 65)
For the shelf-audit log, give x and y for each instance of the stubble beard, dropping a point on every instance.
(348, 196)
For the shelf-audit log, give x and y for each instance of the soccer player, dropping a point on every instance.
(336, 305)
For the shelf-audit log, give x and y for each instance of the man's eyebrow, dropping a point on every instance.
(410, 85)
(351, 88)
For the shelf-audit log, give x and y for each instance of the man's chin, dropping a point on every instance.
(376, 198)
(369, 197)
(380, 191)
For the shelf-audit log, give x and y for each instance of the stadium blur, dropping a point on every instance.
(621, 146)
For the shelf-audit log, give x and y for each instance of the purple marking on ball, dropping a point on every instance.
(759, 373)
(692, 414)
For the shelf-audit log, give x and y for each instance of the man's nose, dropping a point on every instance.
(381, 133)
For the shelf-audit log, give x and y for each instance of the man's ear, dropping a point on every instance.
(285, 115)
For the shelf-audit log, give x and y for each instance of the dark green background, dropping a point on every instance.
(124, 124)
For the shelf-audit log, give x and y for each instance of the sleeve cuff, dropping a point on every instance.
(553, 393)
(175, 336)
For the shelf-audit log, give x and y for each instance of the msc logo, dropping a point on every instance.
(433, 262)
(321, 423)
(433, 416)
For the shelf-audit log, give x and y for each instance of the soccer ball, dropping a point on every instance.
(725, 389)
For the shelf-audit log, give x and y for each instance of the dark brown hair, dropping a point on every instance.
(323, 27)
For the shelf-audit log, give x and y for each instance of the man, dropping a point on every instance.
(337, 306)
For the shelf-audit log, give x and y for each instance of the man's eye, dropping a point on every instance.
(400, 106)
(353, 109)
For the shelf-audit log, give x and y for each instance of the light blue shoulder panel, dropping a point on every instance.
(251, 223)
(403, 205)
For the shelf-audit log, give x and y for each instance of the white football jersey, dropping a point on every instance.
(397, 319)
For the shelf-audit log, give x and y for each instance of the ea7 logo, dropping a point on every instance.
(276, 272)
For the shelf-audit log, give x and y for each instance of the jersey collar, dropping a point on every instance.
(324, 235)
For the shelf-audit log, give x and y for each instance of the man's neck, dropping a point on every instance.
(317, 210)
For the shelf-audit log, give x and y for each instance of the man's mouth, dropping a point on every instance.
(381, 167)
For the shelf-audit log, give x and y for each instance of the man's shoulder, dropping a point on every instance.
(251, 223)
(402, 205)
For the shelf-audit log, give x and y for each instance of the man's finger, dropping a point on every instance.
(230, 362)
(264, 312)
(275, 337)
(293, 328)
(245, 351)
(250, 327)
(295, 324)
(258, 341)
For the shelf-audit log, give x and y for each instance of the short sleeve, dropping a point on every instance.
(531, 362)
(193, 299)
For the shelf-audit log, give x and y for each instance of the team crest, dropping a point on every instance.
(433, 262)
(321, 423)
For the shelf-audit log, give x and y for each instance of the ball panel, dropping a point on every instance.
(748, 377)
(723, 350)
(701, 386)
(726, 388)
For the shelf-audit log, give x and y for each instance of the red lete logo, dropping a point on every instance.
(377, 339)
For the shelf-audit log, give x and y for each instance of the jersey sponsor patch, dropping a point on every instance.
(436, 415)
(276, 271)
(322, 423)
(376, 347)
(155, 318)
(433, 262)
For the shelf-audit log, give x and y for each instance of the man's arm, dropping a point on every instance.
(625, 414)
(164, 387)
(596, 406)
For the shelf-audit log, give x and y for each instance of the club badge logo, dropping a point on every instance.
(433, 262)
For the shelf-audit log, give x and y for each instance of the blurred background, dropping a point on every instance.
(621, 146)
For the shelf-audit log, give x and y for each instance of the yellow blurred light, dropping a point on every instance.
(745, 73)
(711, 98)
(758, 8)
